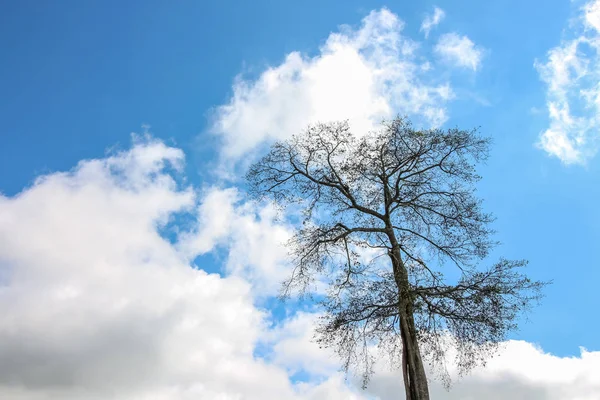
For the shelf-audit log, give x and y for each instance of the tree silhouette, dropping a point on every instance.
(384, 216)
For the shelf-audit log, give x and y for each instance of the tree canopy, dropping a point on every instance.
(392, 225)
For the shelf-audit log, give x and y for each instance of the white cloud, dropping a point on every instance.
(459, 51)
(363, 75)
(96, 304)
(295, 350)
(250, 233)
(432, 20)
(520, 371)
(571, 73)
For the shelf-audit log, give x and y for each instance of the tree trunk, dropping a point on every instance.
(407, 387)
(417, 379)
(412, 363)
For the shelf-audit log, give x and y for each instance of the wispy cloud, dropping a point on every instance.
(459, 51)
(571, 72)
(432, 20)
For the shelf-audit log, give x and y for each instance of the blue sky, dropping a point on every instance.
(76, 78)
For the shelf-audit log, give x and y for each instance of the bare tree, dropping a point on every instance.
(384, 216)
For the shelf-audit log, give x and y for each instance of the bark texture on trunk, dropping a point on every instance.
(415, 378)
(407, 388)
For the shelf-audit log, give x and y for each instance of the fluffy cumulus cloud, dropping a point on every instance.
(571, 73)
(244, 230)
(459, 51)
(521, 370)
(432, 20)
(97, 303)
(362, 74)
